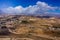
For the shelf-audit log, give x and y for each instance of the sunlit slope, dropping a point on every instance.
(34, 25)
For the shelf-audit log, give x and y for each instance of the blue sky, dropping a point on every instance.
(23, 4)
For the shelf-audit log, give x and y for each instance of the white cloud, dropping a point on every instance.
(39, 8)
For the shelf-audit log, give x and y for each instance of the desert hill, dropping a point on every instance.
(31, 26)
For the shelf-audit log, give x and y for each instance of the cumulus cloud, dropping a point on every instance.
(39, 8)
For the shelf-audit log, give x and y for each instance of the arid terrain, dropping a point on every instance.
(22, 27)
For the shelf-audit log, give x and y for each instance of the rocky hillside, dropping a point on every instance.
(31, 27)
